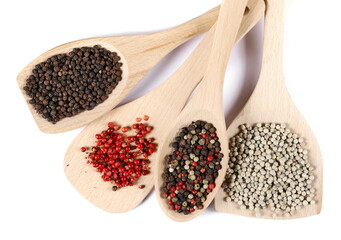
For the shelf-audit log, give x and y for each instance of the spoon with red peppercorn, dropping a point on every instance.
(191, 165)
(162, 106)
(137, 53)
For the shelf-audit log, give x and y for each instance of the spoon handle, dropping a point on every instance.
(165, 41)
(229, 21)
(193, 27)
(230, 17)
(171, 38)
(272, 63)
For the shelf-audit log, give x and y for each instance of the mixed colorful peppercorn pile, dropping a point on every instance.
(192, 167)
(121, 158)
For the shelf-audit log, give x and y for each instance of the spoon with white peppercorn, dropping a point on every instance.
(190, 165)
(65, 88)
(275, 166)
(162, 105)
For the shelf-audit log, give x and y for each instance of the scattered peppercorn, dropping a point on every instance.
(192, 167)
(122, 159)
(269, 169)
(67, 84)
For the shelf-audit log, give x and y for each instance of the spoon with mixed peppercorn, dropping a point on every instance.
(192, 158)
(77, 82)
(286, 174)
(147, 115)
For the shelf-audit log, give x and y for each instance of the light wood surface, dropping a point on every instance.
(139, 53)
(163, 105)
(271, 102)
(207, 103)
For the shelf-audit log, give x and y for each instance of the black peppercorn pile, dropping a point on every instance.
(67, 84)
(192, 167)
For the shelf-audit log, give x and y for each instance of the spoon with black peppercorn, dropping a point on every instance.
(271, 103)
(195, 163)
(54, 107)
(162, 105)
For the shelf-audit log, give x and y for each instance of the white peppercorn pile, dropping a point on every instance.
(67, 84)
(269, 169)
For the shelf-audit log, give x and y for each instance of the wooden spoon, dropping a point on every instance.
(207, 103)
(139, 53)
(162, 105)
(271, 102)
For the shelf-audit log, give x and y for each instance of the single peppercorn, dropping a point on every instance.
(67, 84)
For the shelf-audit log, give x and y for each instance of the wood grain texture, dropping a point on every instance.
(163, 105)
(207, 103)
(139, 53)
(271, 102)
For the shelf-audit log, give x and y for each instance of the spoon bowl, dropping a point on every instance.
(162, 105)
(84, 117)
(138, 53)
(165, 149)
(271, 103)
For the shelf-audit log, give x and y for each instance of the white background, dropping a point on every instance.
(37, 201)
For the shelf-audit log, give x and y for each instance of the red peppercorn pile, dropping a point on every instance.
(121, 158)
(192, 167)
